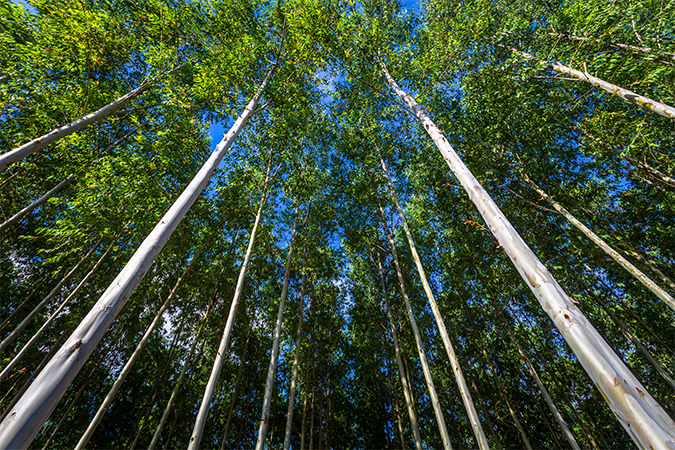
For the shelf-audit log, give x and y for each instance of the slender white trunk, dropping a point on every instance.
(44, 302)
(410, 407)
(643, 418)
(18, 430)
(530, 367)
(200, 421)
(61, 307)
(296, 360)
(650, 170)
(21, 214)
(267, 400)
(631, 97)
(181, 377)
(445, 437)
(136, 354)
(478, 432)
(634, 271)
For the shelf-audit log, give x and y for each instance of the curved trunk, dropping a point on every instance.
(200, 421)
(274, 357)
(644, 419)
(476, 426)
(631, 97)
(21, 214)
(38, 402)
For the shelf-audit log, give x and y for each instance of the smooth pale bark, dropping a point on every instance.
(533, 373)
(637, 411)
(274, 357)
(44, 302)
(58, 311)
(31, 147)
(21, 214)
(296, 360)
(634, 271)
(445, 437)
(476, 426)
(18, 430)
(650, 170)
(200, 421)
(89, 432)
(181, 377)
(410, 407)
(629, 96)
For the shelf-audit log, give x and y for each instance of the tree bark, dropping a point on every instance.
(44, 302)
(445, 437)
(21, 214)
(274, 357)
(137, 352)
(217, 364)
(629, 96)
(640, 415)
(476, 426)
(34, 408)
(410, 407)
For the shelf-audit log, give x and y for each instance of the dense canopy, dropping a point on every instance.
(438, 225)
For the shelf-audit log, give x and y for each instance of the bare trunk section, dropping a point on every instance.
(296, 360)
(410, 407)
(218, 362)
(89, 432)
(445, 437)
(44, 302)
(21, 214)
(18, 430)
(61, 307)
(478, 432)
(530, 367)
(650, 170)
(629, 96)
(181, 377)
(634, 271)
(274, 357)
(644, 419)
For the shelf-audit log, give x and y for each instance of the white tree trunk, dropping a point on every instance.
(200, 421)
(410, 407)
(21, 214)
(634, 271)
(296, 360)
(89, 432)
(18, 430)
(643, 418)
(445, 437)
(54, 315)
(629, 96)
(274, 357)
(478, 432)
(44, 302)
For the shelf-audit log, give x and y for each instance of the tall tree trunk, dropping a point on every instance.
(486, 413)
(393, 400)
(631, 97)
(310, 362)
(296, 360)
(44, 302)
(21, 214)
(407, 395)
(445, 437)
(218, 362)
(181, 377)
(39, 400)
(237, 385)
(644, 419)
(478, 432)
(55, 314)
(530, 367)
(634, 271)
(137, 352)
(31, 147)
(267, 401)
